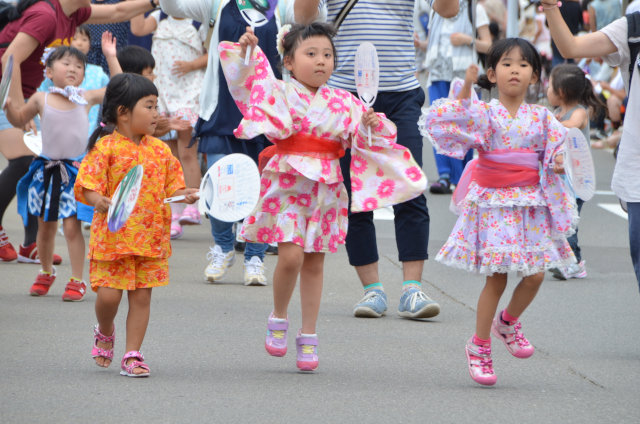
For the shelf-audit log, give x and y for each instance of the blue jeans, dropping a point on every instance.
(411, 217)
(573, 239)
(633, 209)
(448, 167)
(222, 232)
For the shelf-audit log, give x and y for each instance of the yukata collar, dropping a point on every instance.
(71, 92)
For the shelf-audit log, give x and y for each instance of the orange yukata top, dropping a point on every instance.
(147, 231)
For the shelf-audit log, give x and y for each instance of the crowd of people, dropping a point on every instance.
(166, 85)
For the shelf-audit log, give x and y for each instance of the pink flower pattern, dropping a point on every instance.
(302, 198)
(511, 228)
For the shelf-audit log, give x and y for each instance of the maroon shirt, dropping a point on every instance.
(52, 28)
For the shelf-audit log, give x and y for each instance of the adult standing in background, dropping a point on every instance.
(449, 54)
(400, 98)
(219, 116)
(603, 12)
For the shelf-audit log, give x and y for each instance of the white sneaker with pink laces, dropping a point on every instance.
(516, 343)
(480, 364)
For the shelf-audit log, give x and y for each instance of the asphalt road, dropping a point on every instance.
(205, 344)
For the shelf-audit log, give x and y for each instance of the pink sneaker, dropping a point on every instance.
(307, 347)
(190, 216)
(276, 342)
(480, 364)
(176, 228)
(516, 343)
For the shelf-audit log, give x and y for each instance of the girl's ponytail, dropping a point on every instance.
(103, 129)
(483, 82)
(589, 99)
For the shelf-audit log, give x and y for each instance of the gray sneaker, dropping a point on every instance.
(415, 304)
(372, 305)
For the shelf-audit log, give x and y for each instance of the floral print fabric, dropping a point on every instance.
(147, 231)
(511, 228)
(303, 199)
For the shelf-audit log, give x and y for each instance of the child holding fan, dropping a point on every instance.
(571, 93)
(512, 217)
(46, 191)
(135, 258)
(303, 202)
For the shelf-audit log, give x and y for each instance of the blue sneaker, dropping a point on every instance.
(415, 304)
(372, 305)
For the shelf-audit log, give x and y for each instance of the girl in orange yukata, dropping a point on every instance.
(134, 258)
(303, 201)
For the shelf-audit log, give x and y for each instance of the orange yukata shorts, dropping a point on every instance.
(129, 273)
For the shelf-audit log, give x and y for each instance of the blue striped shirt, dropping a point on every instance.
(386, 24)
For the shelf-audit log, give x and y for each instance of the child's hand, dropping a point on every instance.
(102, 204)
(109, 48)
(471, 76)
(558, 163)
(179, 124)
(370, 119)
(181, 68)
(191, 195)
(248, 39)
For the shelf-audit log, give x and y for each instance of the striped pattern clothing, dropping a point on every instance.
(389, 26)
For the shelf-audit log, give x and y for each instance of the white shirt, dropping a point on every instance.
(626, 174)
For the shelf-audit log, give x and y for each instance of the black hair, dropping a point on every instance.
(504, 46)
(135, 59)
(10, 12)
(63, 51)
(572, 86)
(299, 33)
(84, 30)
(121, 95)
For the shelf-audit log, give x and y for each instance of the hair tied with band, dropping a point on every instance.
(284, 30)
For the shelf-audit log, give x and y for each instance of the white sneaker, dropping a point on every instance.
(254, 272)
(220, 263)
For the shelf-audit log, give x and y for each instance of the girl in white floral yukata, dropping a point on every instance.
(303, 204)
(515, 212)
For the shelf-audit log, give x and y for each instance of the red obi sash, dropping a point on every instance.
(304, 145)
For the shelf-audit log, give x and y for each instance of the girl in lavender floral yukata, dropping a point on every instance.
(303, 205)
(514, 211)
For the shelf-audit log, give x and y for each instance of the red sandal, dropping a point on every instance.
(127, 369)
(98, 352)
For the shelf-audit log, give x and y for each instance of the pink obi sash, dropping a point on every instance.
(499, 168)
(304, 145)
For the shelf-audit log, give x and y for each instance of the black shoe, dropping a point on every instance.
(442, 186)
(239, 245)
(271, 250)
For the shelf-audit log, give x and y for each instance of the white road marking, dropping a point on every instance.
(614, 208)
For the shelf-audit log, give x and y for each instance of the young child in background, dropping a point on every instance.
(46, 191)
(571, 93)
(512, 218)
(180, 59)
(135, 258)
(303, 202)
(94, 76)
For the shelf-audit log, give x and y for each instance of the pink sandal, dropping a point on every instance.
(127, 369)
(98, 352)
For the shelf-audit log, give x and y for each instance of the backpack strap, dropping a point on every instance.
(633, 40)
(340, 17)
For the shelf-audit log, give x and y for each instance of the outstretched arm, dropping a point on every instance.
(594, 44)
(119, 12)
(19, 114)
(141, 25)
(109, 50)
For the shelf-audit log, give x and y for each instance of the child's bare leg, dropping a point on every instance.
(75, 245)
(524, 294)
(46, 240)
(311, 279)
(285, 276)
(488, 303)
(189, 159)
(107, 303)
(137, 321)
